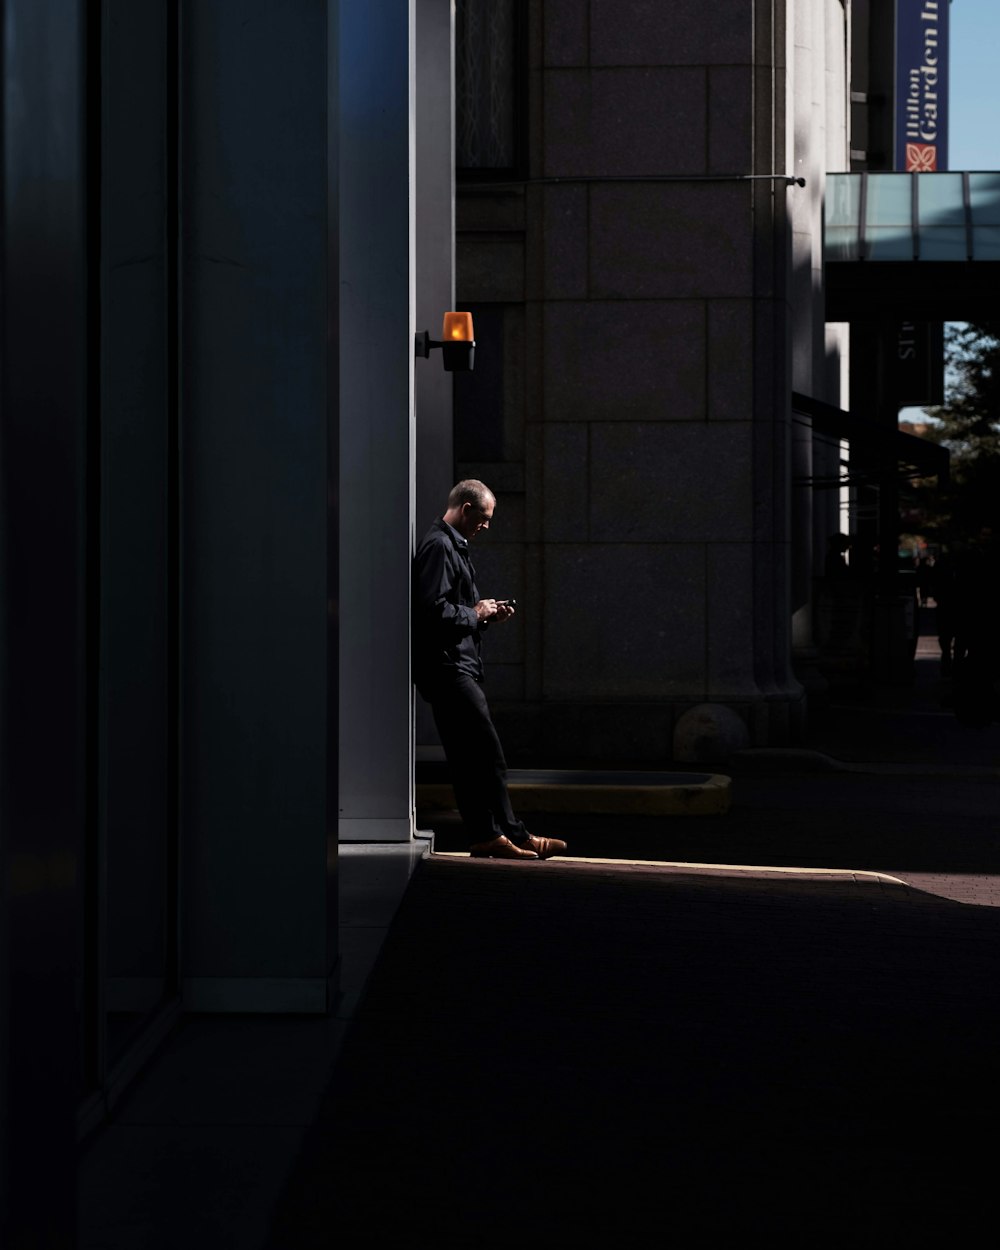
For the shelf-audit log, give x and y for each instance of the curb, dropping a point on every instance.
(756, 870)
(564, 792)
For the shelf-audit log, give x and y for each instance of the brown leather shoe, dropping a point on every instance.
(500, 847)
(545, 847)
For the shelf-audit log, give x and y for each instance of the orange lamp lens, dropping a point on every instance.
(458, 328)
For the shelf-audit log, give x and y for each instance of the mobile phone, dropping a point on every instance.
(509, 603)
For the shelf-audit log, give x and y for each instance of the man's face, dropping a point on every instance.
(473, 519)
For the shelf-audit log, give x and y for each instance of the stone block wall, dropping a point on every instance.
(647, 531)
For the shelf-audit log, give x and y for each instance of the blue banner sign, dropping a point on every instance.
(921, 85)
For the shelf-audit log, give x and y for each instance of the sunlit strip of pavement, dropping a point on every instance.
(717, 870)
(975, 889)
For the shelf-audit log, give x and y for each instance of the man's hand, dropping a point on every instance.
(494, 609)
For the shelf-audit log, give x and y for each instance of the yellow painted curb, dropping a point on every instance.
(705, 798)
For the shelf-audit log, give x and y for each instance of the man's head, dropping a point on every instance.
(470, 507)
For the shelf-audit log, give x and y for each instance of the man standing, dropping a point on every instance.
(449, 622)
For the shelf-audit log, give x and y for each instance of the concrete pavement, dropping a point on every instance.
(794, 1042)
(557, 1052)
(547, 1053)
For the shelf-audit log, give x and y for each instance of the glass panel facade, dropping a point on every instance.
(984, 199)
(889, 243)
(889, 217)
(940, 202)
(912, 217)
(943, 243)
(986, 243)
(841, 243)
(890, 201)
(843, 200)
(843, 207)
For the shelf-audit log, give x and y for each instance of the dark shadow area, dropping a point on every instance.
(558, 1051)
(572, 1051)
(934, 718)
(881, 824)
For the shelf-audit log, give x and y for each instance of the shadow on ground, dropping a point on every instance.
(548, 1055)
(926, 824)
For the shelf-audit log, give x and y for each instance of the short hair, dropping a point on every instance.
(470, 491)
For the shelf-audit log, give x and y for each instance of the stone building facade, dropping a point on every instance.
(649, 281)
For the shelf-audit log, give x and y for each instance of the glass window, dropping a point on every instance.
(889, 200)
(843, 199)
(943, 242)
(986, 243)
(889, 243)
(889, 217)
(940, 201)
(842, 209)
(841, 243)
(984, 199)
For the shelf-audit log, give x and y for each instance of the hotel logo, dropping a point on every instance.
(921, 158)
(921, 85)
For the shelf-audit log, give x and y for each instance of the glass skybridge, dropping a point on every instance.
(917, 245)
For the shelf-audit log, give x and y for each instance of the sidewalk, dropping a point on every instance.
(550, 1053)
(553, 1052)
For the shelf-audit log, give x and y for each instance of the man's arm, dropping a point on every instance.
(434, 576)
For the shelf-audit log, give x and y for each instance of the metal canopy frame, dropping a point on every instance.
(926, 458)
(923, 246)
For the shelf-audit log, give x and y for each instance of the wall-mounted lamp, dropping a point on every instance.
(458, 343)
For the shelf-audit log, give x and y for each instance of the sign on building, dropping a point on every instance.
(916, 373)
(921, 146)
(921, 123)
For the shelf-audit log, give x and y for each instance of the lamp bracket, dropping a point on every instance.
(422, 343)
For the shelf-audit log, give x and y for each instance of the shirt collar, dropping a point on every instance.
(461, 543)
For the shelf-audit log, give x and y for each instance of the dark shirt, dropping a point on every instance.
(446, 630)
(835, 565)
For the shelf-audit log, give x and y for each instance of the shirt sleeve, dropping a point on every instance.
(433, 584)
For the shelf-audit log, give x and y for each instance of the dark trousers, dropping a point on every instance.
(475, 759)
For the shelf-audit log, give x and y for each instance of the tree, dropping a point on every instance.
(968, 424)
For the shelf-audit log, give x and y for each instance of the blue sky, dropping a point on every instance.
(974, 106)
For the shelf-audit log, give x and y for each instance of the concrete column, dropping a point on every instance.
(435, 273)
(258, 615)
(808, 95)
(826, 507)
(818, 92)
(376, 404)
(777, 717)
